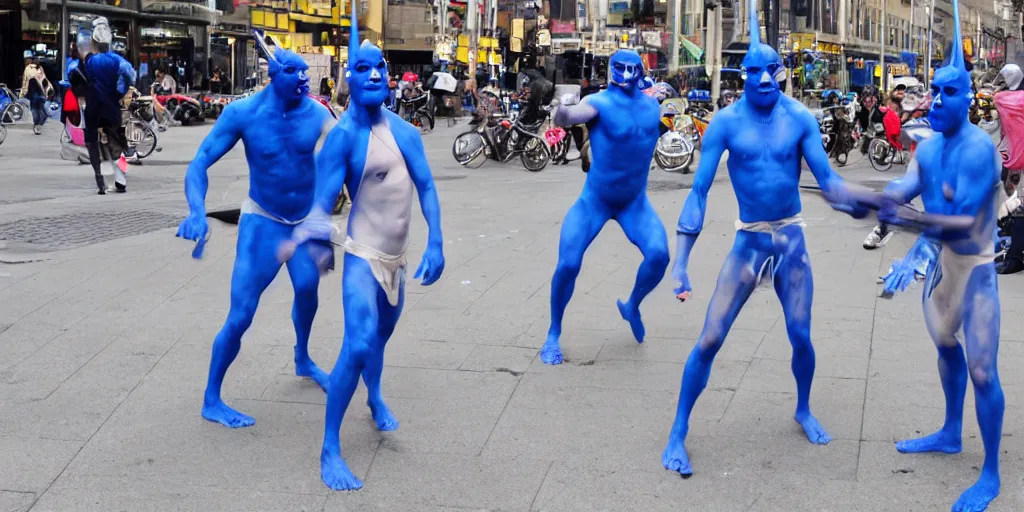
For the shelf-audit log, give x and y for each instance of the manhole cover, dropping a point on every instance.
(667, 186)
(451, 177)
(78, 229)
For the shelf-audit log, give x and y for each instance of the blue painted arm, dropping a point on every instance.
(691, 218)
(905, 189)
(411, 145)
(976, 181)
(572, 115)
(419, 170)
(839, 194)
(226, 132)
(331, 168)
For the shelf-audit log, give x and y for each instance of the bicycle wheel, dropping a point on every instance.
(425, 122)
(535, 154)
(470, 149)
(3, 133)
(879, 152)
(141, 136)
(13, 113)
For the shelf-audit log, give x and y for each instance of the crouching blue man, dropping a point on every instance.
(957, 174)
(765, 133)
(381, 160)
(280, 127)
(623, 124)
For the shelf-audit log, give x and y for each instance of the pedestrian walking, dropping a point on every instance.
(105, 70)
(37, 90)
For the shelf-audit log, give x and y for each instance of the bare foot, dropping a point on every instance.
(219, 412)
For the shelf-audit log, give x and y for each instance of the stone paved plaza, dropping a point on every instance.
(105, 346)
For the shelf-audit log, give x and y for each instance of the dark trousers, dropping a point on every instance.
(38, 106)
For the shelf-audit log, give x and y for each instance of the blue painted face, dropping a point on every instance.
(289, 75)
(367, 76)
(626, 69)
(951, 99)
(760, 68)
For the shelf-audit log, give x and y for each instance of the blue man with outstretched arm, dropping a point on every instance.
(623, 124)
(957, 174)
(280, 127)
(766, 133)
(380, 159)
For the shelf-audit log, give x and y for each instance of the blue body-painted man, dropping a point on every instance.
(766, 134)
(623, 125)
(380, 159)
(280, 127)
(957, 173)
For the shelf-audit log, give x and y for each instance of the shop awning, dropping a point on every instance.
(309, 18)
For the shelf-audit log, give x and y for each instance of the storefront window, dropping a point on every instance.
(169, 48)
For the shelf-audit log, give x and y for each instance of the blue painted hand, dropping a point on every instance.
(195, 227)
(431, 266)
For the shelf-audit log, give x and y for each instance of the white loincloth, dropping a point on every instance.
(250, 206)
(771, 227)
(387, 269)
(946, 287)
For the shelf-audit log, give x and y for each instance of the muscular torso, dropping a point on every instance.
(382, 195)
(622, 140)
(764, 162)
(279, 148)
(943, 189)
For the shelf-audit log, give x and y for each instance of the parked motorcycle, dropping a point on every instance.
(502, 141)
(185, 109)
(417, 111)
(675, 148)
(844, 134)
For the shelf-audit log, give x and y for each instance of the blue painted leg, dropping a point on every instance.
(581, 225)
(794, 284)
(255, 267)
(359, 290)
(981, 331)
(305, 281)
(736, 282)
(644, 229)
(953, 373)
(382, 415)
(943, 318)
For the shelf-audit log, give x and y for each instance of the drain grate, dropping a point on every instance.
(667, 186)
(79, 229)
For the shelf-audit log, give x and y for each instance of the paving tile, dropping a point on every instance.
(761, 408)
(11, 501)
(487, 358)
(445, 480)
(32, 464)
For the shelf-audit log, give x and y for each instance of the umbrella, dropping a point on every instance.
(445, 81)
(693, 49)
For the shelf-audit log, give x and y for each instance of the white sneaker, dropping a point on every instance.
(572, 154)
(876, 239)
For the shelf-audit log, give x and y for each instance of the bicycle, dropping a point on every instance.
(12, 106)
(502, 141)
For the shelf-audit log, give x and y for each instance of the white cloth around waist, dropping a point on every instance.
(387, 269)
(770, 226)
